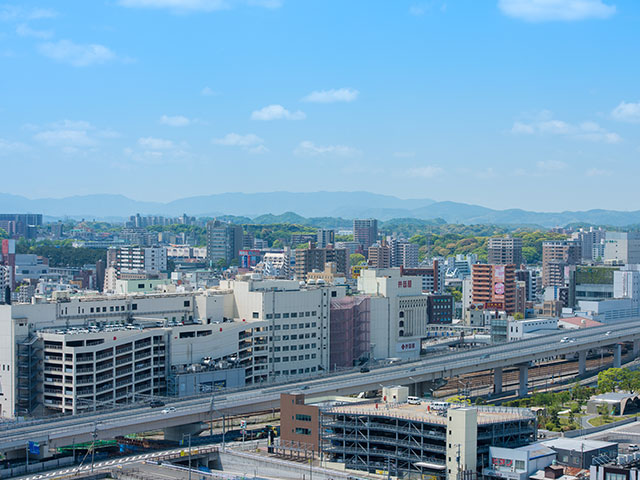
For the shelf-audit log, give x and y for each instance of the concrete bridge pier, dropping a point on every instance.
(524, 379)
(497, 380)
(582, 362)
(617, 355)
(636, 348)
(176, 434)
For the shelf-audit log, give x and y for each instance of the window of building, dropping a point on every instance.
(269, 316)
(255, 315)
(303, 431)
(303, 418)
(277, 315)
(285, 337)
(141, 285)
(285, 315)
(520, 466)
(134, 306)
(613, 476)
(293, 326)
(187, 303)
(334, 293)
(285, 327)
(294, 314)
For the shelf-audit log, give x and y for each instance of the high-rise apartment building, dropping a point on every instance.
(140, 259)
(325, 237)
(312, 258)
(379, 256)
(494, 286)
(556, 255)
(224, 241)
(622, 247)
(588, 239)
(403, 253)
(504, 251)
(365, 232)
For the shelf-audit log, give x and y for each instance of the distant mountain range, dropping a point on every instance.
(278, 207)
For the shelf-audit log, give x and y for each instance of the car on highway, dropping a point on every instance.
(608, 333)
(169, 410)
(564, 340)
(364, 370)
(633, 448)
(156, 403)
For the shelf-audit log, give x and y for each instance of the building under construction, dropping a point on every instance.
(408, 441)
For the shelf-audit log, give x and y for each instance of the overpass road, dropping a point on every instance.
(63, 431)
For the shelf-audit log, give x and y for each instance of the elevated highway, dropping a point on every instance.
(102, 425)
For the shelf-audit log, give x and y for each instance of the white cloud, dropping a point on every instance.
(15, 13)
(249, 142)
(519, 127)
(597, 172)
(308, 148)
(276, 112)
(551, 165)
(418, 10)
(71, 135)
(554, 10)
(78, 55)
(237, 140)
(24, 30)
(429, 171)
(627, 112)
(7, 147)
(545, 125)
(186, 6)
(175, 121)
(153, 143)
(207, 92)
(258, 149)
(333, 95)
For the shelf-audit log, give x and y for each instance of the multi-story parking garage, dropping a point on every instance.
(421, 439)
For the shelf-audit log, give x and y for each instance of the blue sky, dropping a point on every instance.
(505, 103)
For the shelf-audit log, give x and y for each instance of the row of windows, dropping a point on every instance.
(295, 372)
(277, 338)
(285, 348)
(289, 315)
(294, 326)
(303, 418)
(294, 358)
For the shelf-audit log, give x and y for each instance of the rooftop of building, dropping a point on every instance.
(424, 413)
(582, 322)
(537, 450)
(614, 397)
(576, 444)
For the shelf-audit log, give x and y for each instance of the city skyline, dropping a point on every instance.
(434, 99)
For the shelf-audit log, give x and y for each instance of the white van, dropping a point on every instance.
(439, 407)
(413, 401)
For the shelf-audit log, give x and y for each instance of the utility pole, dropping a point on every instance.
(189, 435)
(93, 445)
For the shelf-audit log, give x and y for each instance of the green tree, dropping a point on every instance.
(3, 233)
(357, 259)
(609, 380)
(629, 380)
(518, 316)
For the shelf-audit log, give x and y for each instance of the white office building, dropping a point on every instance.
(399, 315)
(622, 247)
(72, 353)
